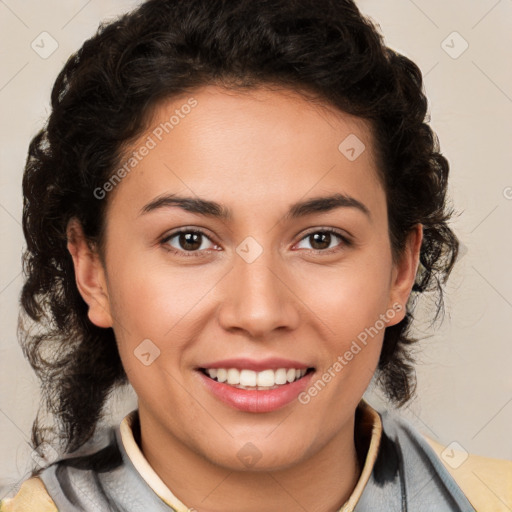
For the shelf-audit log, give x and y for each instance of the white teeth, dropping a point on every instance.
(280, 376)
(266, 378)
(249, 379)
(233, 376)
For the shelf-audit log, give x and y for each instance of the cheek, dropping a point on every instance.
(352, 304)
(354, 309)
(351, 296)
(153, 299)
(157, 310)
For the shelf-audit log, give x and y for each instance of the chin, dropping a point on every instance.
(258, 456)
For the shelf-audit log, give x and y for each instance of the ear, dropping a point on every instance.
(404, 274)
(89, 275)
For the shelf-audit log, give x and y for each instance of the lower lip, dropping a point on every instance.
(257, 400)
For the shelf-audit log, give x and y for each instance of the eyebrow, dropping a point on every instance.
(217, 210)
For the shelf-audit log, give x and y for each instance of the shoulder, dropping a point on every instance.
(71, 483)
(31, 497)
(487, 482)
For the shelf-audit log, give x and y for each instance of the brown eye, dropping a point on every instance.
(323, 240)
(187, 241)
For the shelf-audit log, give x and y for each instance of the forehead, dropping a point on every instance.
(245, 146)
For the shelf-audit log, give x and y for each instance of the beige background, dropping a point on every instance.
(465, 381)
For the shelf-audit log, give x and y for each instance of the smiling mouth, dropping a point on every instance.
(252, 380)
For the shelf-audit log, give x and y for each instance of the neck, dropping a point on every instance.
(320, 483)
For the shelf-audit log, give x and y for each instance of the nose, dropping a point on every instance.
(258, 297)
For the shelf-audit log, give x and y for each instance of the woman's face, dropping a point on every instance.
(286, 280)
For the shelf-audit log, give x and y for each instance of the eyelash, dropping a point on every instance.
(197, 253)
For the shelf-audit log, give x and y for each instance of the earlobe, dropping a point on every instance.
(89, 275)
(404, 272)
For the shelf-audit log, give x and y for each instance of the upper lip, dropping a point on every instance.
(273, 363)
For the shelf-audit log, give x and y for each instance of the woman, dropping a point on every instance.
(233, 208)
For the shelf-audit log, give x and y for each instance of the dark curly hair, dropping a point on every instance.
(104, 98)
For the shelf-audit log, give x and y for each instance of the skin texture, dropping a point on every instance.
(255, 152)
